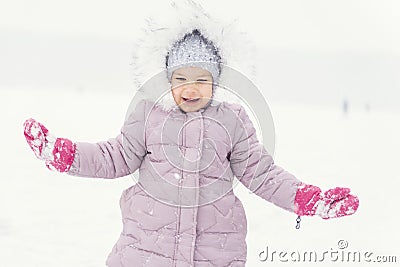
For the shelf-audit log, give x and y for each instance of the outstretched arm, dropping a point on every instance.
(255, 168)
(105, 159)
(113, 158)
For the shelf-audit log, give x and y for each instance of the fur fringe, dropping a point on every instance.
(160, 32)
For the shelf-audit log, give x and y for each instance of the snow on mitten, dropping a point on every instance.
(336, 202)
(58, 153)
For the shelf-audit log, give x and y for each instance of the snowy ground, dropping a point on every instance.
(49, 219)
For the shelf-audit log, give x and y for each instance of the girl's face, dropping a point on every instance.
(191, 88)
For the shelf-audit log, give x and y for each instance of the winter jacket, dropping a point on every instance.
(182, 211)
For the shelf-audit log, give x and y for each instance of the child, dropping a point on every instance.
(183, 211)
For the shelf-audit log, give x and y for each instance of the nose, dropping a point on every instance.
(191, 90)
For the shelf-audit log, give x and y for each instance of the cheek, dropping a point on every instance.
(206, 91)
(176, 93)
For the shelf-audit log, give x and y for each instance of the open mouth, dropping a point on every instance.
(191, 100)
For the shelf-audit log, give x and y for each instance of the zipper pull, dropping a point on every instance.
(298, 222)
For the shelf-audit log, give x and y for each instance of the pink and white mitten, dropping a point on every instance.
(336, 202)
(58, 153)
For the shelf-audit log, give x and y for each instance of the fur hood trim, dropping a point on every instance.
(159, 33)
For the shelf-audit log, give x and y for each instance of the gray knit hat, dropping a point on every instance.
(194, 50)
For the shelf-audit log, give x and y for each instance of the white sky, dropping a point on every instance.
(370, 25)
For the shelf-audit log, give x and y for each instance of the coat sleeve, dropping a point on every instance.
(254, 167)
(117, 156)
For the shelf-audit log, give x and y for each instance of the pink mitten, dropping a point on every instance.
(336, 202)
(58, 153)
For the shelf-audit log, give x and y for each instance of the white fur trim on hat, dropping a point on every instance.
(160, 32)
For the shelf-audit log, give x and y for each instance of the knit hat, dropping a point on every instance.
(194, 50)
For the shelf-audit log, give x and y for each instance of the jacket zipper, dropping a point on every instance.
(183, 143)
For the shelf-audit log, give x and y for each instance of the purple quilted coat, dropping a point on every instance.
(183, 211)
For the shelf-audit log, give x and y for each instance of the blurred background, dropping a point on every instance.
(328, 69)
(310, 51)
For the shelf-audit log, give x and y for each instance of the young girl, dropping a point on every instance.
(183, 211)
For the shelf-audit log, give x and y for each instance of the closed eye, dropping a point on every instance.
(180, 78)
(202, 80)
